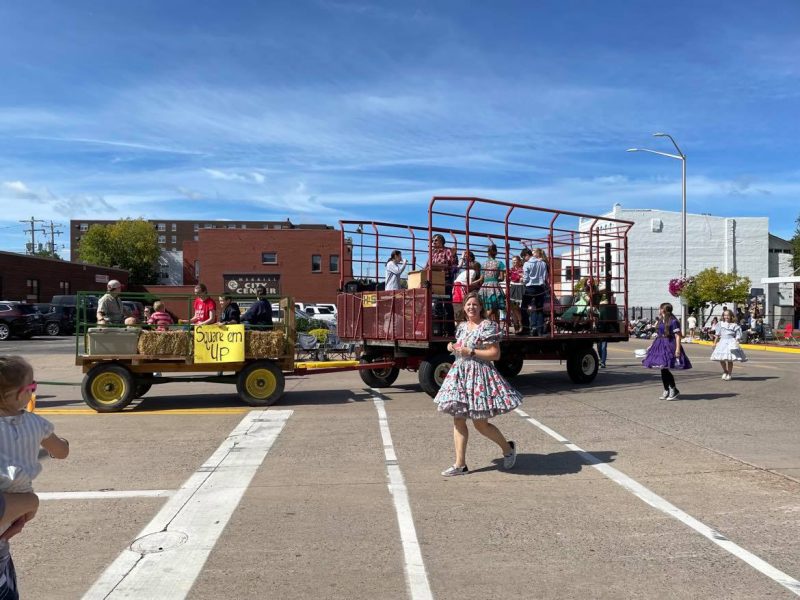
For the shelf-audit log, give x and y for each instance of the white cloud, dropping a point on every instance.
(18, 190)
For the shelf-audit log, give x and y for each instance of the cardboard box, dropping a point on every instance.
(111, 340)
(418, 279)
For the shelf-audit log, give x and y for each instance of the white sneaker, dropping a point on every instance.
(728, 377)
(724, 376)
(454, 470)
(510, 458)
(665, 395)
(673, 393)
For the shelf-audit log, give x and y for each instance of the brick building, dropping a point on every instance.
(302, 262)
(172, 233)
(36, 279)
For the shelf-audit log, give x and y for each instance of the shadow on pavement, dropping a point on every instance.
(231, 400)
(746, 378)
(703, 397)
(555, 463)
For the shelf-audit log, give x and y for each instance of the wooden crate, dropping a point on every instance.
(417, 279)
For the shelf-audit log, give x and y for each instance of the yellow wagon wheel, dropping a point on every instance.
(108, 387)
(260, 383)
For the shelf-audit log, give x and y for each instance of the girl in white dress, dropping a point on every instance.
(727, 335)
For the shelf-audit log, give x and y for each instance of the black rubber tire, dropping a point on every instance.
(260, 383)
(510, 365)
(52, 329)
(144, 381)
(116, 384)
(582, 365)
(432, 372)
(378, 378)
(5, 332)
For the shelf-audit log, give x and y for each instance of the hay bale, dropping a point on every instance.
(264, 344)
(165, 343)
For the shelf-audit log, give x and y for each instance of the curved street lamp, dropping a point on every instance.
(681, 157)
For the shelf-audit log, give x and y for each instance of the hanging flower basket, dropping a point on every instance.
(677, 285)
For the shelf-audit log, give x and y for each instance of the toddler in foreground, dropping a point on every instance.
(21, 435)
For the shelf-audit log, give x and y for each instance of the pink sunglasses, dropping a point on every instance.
(31, 387)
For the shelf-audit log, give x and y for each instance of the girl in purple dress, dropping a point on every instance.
(666, 351)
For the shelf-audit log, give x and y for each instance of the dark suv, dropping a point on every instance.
(58, 318)
(20, 319)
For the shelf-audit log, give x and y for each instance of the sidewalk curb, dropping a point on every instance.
(762, 347)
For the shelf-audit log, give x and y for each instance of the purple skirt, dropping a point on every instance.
(661, 355)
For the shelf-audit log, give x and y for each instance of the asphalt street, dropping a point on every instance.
(335, 491)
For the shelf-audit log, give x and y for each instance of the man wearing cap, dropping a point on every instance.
(261, 312)
(109, 309)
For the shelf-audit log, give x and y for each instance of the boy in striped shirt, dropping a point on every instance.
(160, 318)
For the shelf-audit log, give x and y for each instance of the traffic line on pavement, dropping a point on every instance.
(169, 553)
(104, 494)
(656, 501)
(416, 577)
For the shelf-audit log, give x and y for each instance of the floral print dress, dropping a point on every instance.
(473, 389)
(491, 293)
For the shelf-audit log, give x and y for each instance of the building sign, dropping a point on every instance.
(218, 343)
(100, 278)
(245, 284)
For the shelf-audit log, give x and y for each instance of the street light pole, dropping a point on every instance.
(681, 157)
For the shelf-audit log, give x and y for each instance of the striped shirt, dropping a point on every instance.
(161, 319)
(21, 437)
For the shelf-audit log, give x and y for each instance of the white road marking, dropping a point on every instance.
(104, 495)
(196, 514)
(656, 501)
(416, 577)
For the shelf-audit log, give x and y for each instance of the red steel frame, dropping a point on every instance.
(357, 323)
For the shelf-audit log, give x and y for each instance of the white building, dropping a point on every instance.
(170, 267)
(741, 245)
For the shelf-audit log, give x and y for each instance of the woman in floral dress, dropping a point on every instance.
(473, 389)
(494, 271)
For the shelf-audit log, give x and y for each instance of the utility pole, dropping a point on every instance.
(53, 234)
(32, 231)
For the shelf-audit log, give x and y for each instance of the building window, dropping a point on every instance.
(162, 239)
(316, 263)
(231, 225)
(84, 227)
(163, 275)
(196, 226)
(162, 227)
(174, 227)
(33, 289)
(208, 226)
(196, 238)
(333, 263)
(269, 258)
(572, 274)
(197, 269)
(244, 225)
(174, 249)
(174, 239)
(64, 287)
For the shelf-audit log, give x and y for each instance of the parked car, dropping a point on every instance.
(321, 313)
(59, 319)
(20, 319)
(329, 305)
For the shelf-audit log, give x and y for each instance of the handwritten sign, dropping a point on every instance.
(218, 343)
(369, 300)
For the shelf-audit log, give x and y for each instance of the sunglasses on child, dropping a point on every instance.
(31, 387)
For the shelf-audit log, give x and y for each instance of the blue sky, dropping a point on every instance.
(317, 110)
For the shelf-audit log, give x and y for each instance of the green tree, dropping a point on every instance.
(47, 254)
(131, 244)
(710, 288)
(796, 246)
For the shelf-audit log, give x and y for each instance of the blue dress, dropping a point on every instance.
(473, 389)
(661, 354)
